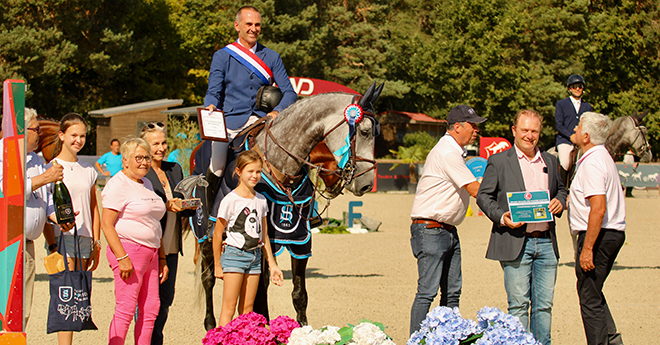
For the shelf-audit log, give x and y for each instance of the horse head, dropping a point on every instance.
(321, 155)
(629, 133)
(48, 138)
(303, 125)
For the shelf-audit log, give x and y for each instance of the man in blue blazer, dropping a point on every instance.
(527, 252)
(234, 81)
(567, 117)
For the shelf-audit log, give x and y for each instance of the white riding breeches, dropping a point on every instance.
(219, 149)
(564, 153)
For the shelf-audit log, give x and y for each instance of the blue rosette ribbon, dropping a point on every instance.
(344, 152)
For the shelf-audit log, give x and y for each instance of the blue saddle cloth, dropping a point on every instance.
(288, 224)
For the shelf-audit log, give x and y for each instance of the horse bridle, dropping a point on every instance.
(346, 174)
(639, 126)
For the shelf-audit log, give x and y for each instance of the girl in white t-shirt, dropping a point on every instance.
(242, 213)
(80, 179)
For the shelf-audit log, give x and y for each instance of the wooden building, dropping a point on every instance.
(396, 124)
(127, 120)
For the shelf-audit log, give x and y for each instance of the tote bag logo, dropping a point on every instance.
(66, 293)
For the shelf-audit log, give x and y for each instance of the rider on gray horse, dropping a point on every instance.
(567, 117)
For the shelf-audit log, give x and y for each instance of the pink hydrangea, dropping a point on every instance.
(282, 326)
(247, 329)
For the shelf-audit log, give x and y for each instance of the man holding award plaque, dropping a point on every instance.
(520, 192)
(238, 72)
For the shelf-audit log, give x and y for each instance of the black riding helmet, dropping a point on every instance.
(268, 97)
(575, 79)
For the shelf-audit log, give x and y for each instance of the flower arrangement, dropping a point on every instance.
(252, 329)
(365, 333)
(446, 326)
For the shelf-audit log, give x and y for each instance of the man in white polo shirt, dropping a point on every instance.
(597, 212)
(440, 204)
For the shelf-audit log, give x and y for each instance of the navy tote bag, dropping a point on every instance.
(70, 306)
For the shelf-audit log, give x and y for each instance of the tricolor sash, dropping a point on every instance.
(251, 61)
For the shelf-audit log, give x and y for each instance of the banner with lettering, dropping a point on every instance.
(311, 86)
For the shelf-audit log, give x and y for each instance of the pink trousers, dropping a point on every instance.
(140, 289)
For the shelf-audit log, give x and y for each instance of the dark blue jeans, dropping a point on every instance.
(438, 254)
(166, 292)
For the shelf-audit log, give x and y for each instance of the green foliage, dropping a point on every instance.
(423, 139)
(410, 155)
(416, 146)
(182, 135)
(497, 56)
(340, 229)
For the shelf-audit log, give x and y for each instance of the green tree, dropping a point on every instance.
(79, 55)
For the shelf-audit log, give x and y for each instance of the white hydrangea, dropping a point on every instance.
(306, 335)
(303, 336)
(368, 334)
(329, 336)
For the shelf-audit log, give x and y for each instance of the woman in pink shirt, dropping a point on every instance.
(131, 224)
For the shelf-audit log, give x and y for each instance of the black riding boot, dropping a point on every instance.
(211, 193)
(563, 174)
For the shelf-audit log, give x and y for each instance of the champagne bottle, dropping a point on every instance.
(63, 204)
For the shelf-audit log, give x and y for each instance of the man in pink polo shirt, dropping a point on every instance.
(527, 252)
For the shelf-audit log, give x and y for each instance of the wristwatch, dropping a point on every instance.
(52, 247)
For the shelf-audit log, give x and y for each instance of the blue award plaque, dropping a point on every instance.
(530, 207)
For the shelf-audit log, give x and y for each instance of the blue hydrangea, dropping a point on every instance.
(446, 326)
(438, 337)
(494, 318)
(417, 337)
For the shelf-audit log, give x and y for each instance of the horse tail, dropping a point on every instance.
(200, 294)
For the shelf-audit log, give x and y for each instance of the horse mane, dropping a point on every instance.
(302, 102)
(616, 131)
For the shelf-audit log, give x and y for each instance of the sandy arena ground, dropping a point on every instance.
(373, 276)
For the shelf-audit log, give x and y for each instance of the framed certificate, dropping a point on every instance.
(530, 207)
(212, 125)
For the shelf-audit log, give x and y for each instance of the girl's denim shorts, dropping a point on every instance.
(84, 242)
(234, 260)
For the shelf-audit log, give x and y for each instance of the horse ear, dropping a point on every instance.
(644, 114)
(366, 99)
(634, 114)
(379, 89)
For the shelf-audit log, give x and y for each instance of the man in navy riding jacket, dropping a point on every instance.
(567, 117)
(233, 84)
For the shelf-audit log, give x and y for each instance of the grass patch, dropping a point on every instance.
(334, 230)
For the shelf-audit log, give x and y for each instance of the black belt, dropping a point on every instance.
(434, 224)
(538, 234)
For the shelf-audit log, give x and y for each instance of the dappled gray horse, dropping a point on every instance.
(626, 133)
(629, 133)
(285, 143)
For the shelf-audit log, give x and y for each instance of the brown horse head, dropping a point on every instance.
(48, 138)
(321, 155)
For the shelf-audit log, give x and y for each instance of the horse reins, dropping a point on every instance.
(346, 174)
(637, 124)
